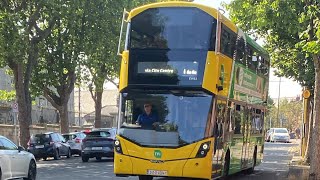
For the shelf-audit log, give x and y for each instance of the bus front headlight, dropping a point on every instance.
(117, 146)
(203, 150)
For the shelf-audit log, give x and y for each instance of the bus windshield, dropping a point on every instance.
(172, 28)
(166, 119)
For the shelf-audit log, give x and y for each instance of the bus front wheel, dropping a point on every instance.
(145, 177)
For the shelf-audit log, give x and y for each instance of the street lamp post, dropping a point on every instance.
(279, 102)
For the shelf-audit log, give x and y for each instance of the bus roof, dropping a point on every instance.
(256, 45)
(210, 10)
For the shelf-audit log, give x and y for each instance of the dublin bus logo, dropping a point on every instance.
(157, 153)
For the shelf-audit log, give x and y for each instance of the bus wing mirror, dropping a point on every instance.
(124, 17)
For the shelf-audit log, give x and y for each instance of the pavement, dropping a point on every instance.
(297, 170)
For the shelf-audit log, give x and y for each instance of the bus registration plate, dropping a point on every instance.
(157, 173)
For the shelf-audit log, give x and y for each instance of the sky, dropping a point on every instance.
(288, 87)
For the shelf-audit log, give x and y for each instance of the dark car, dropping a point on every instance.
(98, 144)
(49, 145)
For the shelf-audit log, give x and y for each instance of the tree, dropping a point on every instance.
(55, 75)
(101, 28)
(292, 32)
(23, 26)
(290, 114)
(7, 95)
(101, 21)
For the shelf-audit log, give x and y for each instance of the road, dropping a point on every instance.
(274, 166)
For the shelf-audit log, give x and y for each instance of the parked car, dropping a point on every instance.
(112, 131)
(98, 144)
(15, 162)
(268, 134)
(87, 131)
(49, 144)
(280, 135)
(74, 139)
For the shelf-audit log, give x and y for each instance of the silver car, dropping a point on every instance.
(74, 139)
(15, 162)
(280, 135)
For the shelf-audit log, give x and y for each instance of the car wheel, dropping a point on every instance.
(45, 158)
(56, 154)
(85, 158)
(98, 158)
(69, 153)
(32, 172)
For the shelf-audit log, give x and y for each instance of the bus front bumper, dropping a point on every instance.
(191, 168)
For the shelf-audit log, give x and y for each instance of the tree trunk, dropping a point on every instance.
(24, 115)
(315, 160)
(309, 125)
(98, 107)
(64, 121)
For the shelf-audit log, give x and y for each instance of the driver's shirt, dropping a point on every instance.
(146, 121)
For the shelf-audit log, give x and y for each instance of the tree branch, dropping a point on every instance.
(71, 80)
(112, 81)
(52, 98)
(94, 97)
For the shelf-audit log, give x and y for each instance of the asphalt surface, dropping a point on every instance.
(274, 166)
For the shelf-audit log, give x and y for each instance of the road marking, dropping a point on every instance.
(275, 162)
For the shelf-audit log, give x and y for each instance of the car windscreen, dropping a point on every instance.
(280, 131)
(40, 138)
(99, 134)
(69, 136)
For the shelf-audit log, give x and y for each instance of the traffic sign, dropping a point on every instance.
(306, 94)
(15, 107)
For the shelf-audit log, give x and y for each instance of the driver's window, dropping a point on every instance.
(128, 114)
(8, 145)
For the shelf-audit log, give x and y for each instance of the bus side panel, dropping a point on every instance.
(257, 140)
(225, 71)
(236, 153)
(260, 146)
(124, 70)
(211, 73)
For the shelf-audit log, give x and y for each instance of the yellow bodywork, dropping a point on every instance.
(124, 70)
(213, 71)
(178, 162)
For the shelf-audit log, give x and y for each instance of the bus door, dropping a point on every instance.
(218, 131)
(246, 138)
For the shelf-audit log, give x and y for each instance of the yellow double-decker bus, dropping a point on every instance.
(193, 91)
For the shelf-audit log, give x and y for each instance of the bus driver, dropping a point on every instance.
(147, 119)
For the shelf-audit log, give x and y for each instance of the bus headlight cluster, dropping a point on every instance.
(117, 147)
(203, 150)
